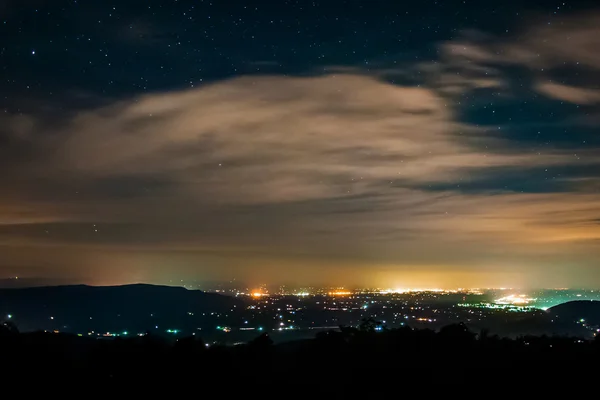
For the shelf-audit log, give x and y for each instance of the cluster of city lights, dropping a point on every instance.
(494, 306)
(412, 290)
(515, 299)
(340, 291)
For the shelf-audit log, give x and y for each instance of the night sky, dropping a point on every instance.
(428, 144)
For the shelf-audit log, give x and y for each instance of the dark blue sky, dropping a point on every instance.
(123, 49)
(428, 143)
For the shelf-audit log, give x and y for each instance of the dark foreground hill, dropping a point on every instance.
(129, 308)
(586, 310)
(326, 364)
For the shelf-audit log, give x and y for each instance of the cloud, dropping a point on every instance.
(270, 139)
(568, 93)
(545, 43)
(273, 149)
(464, 64)
(557, 41)
(477, 59)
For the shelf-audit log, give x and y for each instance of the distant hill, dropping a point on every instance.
(589, 310)
(131, 308)
(14, 283)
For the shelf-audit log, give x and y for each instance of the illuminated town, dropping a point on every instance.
(290, 313)
(311, 308)
(234, 313)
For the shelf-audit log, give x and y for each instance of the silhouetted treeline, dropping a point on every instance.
(149, 360)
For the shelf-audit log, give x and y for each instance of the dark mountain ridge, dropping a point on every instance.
(588, 310)
(135, 308)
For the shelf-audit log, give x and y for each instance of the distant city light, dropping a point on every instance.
(288, 309)
(340, 293)
(515, 299)
(413, 290)
(494, 306)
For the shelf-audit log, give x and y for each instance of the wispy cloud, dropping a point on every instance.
(569, 93)
(476, 59)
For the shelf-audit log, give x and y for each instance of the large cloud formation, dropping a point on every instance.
(256, 173)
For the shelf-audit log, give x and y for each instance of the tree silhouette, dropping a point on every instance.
(484, 334)
(264, 341)
(368, 325)
(458, 333)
